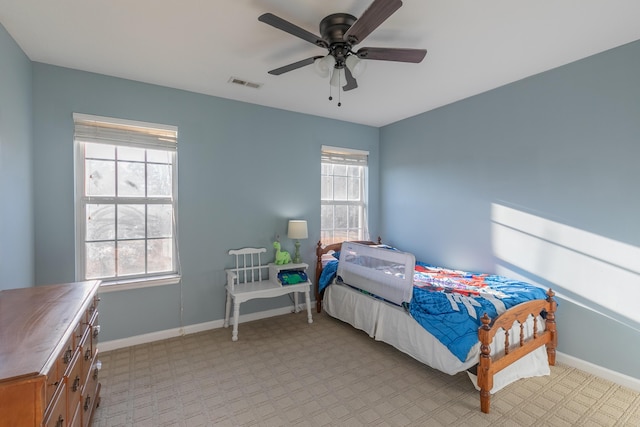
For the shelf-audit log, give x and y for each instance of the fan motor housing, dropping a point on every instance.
(333, 27)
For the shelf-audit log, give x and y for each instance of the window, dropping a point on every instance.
(125, 200)
(343, 195)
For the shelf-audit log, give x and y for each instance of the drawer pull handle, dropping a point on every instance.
(76, 383)
(96, 331)
(95, 374)
(67, 356)
(60, 422)
(87, 354)
(87, 403)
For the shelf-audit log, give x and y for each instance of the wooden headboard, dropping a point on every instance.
(321, 250)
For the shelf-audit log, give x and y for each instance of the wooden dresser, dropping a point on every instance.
(48, 355)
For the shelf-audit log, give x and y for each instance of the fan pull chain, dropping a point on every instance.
(330, 92)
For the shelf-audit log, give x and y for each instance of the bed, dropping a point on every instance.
(387, 294)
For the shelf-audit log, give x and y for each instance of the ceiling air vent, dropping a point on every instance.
(241, 82)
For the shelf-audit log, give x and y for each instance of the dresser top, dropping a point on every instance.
(36, 322)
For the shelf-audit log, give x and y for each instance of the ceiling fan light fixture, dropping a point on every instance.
(356, 65)
(323, 66)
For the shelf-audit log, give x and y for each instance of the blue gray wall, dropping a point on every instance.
(16, 189)
(538, 179)
(243, 171)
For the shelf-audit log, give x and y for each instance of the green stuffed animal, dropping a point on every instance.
(282, 257)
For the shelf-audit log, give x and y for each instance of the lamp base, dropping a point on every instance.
(296, 256)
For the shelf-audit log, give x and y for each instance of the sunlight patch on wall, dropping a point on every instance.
(597, 268)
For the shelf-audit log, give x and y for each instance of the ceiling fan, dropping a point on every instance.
(340, 32)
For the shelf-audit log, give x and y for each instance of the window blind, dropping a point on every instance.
(131, 134)
(344, 156)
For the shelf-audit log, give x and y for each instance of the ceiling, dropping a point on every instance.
(198, 45)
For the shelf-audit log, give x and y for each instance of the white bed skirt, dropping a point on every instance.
(393, 325)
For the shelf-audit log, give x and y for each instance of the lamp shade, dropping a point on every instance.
(324, 66)
(297, 229)
(356, 65)
(338, 77)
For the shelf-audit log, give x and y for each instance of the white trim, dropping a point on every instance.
(123, 285)
(192, 329)
(599, 371)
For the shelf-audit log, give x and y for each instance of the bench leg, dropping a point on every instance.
(296, 307)
(307, 300)
(236, 316)
(227, 310)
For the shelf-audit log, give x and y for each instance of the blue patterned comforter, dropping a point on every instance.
(449, 303)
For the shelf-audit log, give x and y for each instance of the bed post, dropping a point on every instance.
(485, 380)
(550, 325)
(318, 271)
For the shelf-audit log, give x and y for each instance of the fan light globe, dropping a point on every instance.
(323, 66)
(338, 77)
(356, 65)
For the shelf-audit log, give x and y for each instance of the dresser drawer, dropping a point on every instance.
(56, 415)
(53, 381)
(74, 382)
(90, 391)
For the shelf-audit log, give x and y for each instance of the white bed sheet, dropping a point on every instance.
(393, 325)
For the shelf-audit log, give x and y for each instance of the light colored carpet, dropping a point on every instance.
(284, 371)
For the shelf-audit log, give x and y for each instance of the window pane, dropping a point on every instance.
(326, 188)
(130, 153)
(99, 151)
(354, 171)
(100, 222)
(159, 156)
(101, 260)
(159, 221)
(159, 180)
(130, 179)
(354, 217)
(131, 257)
(131, 222)
(339, 188)
(340, 219)
(326, 168)
(326, 217)
(354, 189)
(340, 170)
(160, 255)
(100, 178)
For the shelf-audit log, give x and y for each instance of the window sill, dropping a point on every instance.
(123, 285)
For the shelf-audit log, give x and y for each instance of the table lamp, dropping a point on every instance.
(297, 230)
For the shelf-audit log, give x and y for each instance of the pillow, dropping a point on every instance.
(326, 258)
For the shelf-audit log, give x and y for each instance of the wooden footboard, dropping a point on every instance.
(489, 365)
(321, 250)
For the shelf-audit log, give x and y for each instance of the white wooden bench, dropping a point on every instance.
(251, 279)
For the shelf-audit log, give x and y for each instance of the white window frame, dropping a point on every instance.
(90, 129)
(351, 157)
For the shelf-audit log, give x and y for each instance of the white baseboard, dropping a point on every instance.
(190, 329)
(599, 371)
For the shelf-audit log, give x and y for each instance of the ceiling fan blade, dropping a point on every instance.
(294, 66)
(376, 14)
(288, 27)
(351, 81)
(392, 54)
